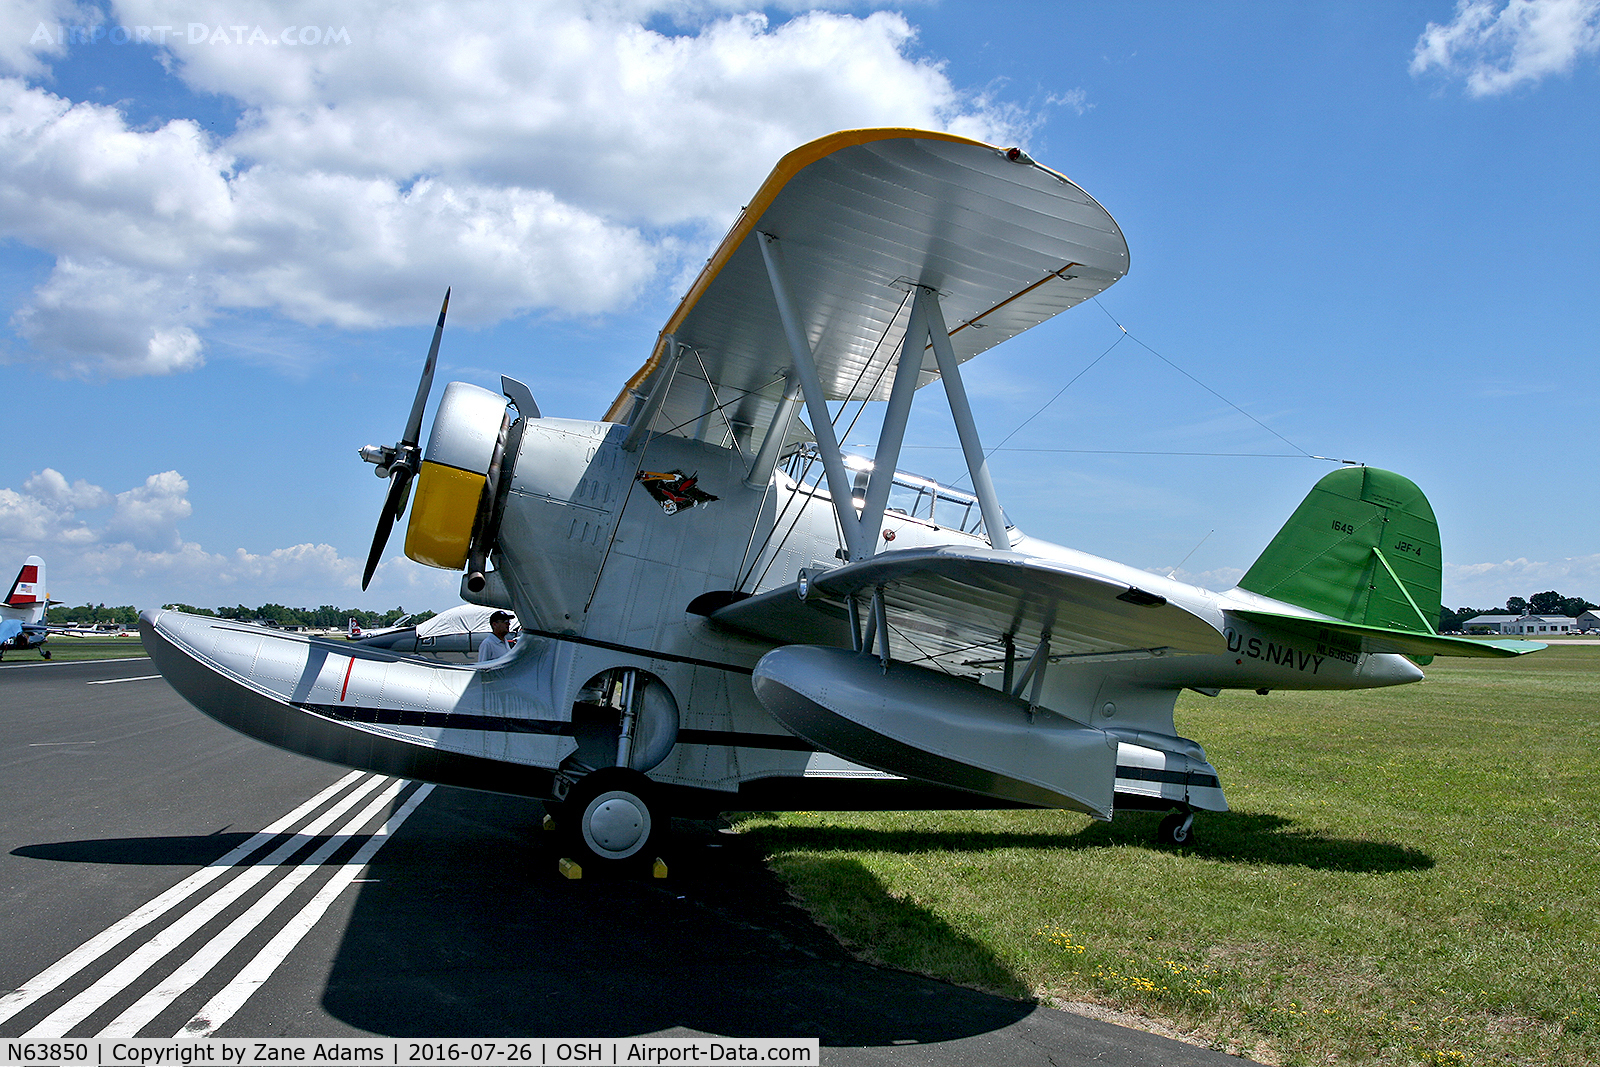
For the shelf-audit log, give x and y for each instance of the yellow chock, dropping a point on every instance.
(569, 869)
(549, 824)
(659, 868)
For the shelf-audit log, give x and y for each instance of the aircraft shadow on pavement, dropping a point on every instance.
(467, 929)
(1236, 836)
(193, 851)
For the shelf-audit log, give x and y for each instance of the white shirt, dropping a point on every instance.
(493, 648)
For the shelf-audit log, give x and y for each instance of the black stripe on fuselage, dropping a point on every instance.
(647, 653)
(736, 739)
(1150, 774)
(436, 720)
(455, 720)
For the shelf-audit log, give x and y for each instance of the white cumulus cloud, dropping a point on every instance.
(1497, 48)
(559, 156)
(31, 32)
(1481, 585)
(135, 551)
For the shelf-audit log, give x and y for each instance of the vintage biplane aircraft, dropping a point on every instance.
(22, 613)
(819, 631)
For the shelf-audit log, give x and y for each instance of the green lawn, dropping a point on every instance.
(68, 649)
(1409, 875)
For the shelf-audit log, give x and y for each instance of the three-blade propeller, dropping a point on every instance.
(402, 462)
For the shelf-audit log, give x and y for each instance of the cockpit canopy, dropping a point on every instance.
(911, 495)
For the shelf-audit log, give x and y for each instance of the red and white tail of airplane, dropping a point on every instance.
(26, 600)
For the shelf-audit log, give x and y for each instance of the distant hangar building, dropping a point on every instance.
(1522, 625)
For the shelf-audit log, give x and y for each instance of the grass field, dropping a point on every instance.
(68, 649)
(1409, 876)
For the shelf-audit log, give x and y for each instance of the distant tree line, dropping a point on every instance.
(127, 615)
(325, 617)
(1548, 603)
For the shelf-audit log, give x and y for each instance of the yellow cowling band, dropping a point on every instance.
(440, 530)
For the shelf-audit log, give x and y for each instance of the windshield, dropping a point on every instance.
(910, 494)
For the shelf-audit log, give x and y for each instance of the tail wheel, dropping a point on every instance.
(1176, 829)
(612, 818)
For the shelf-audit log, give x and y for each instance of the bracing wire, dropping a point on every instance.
(1203, 385)
(1123, 333)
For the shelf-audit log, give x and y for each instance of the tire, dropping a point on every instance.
(45, 652)
(1171, 831)
(612, 819)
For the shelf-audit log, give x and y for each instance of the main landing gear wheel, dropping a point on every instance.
(612, 818)
(1176, 829)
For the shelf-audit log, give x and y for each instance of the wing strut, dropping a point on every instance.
(805, 368)
(778, 429)
(925, 328)
(994, 521)
(646, 414)
(906, 372)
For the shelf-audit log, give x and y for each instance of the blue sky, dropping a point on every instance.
(1360, 231)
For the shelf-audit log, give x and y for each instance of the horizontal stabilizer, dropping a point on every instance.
(926, 725)
(1379, 639)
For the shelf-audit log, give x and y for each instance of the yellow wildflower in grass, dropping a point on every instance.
(1062, 939)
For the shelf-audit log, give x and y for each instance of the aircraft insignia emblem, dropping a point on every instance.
(674, 490)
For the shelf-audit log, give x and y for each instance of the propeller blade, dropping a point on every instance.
(403, 458)
(414, 423)
(393, 504)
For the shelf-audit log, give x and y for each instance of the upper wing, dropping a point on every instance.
(956, 607)
(862, 216)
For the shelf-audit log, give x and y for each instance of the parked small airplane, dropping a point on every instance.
(354, 632)
(454, 634)
(22, 614)
(721, 611)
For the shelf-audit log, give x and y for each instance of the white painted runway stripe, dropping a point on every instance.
(97, 946)
(220, 1008)
(135, 1018)
(66, 663)
(114, 981)
(114, 681)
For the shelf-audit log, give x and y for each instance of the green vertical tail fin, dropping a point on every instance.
(1364, 547)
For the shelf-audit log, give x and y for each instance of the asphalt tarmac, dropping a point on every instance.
(139, 896)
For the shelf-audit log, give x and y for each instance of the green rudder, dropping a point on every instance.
(1364, 547)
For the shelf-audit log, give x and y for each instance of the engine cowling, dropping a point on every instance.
(456, 485)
